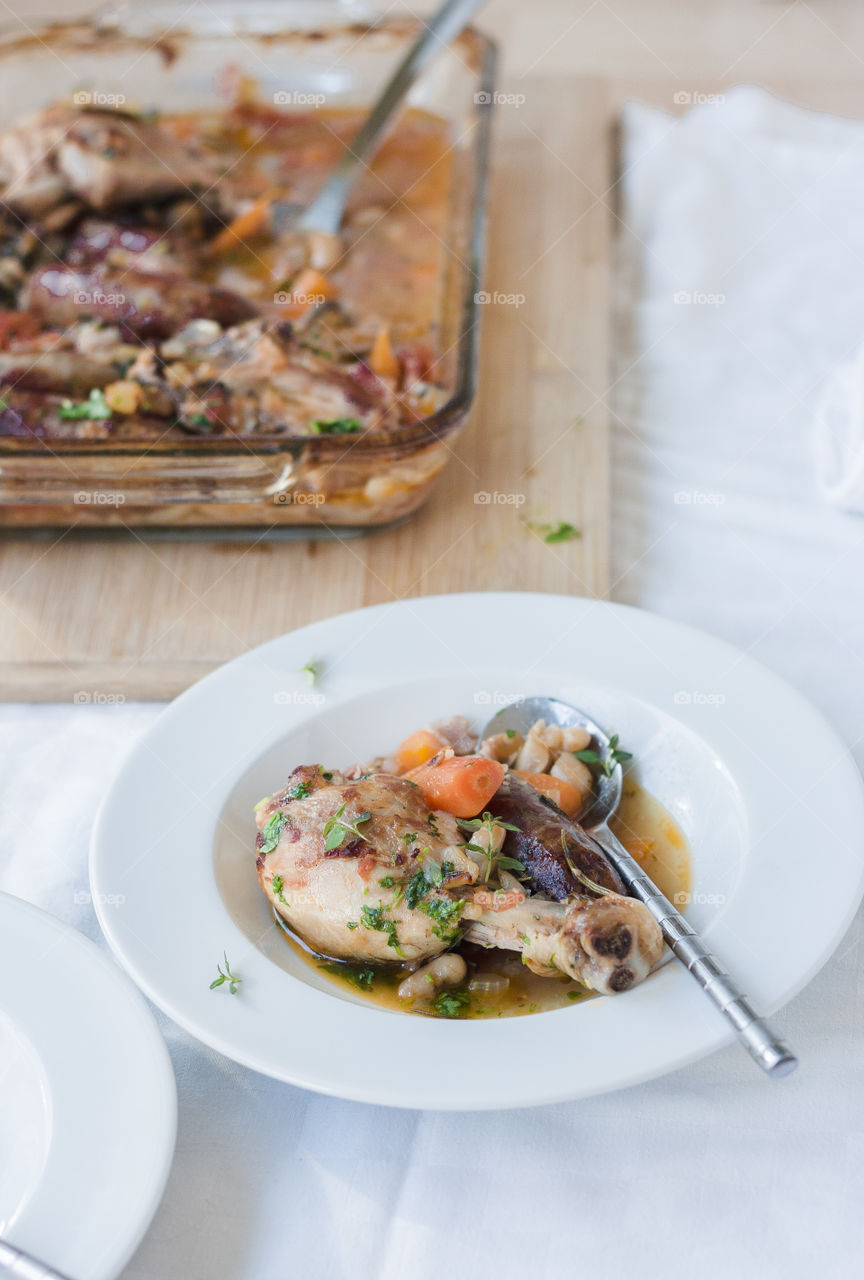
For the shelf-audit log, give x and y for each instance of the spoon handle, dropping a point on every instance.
(324, 213)
(754, 1032)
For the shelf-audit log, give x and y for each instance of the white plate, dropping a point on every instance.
(762, 787)
(87, 1099)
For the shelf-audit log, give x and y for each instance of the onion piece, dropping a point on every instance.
(491, 984)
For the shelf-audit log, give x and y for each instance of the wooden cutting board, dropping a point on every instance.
(143, 618)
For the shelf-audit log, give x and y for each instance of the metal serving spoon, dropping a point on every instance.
(754, 1032)
(325, 211)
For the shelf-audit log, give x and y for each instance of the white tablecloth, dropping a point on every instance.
(712, 1171)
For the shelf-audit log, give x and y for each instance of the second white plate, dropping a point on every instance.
(87, 1100)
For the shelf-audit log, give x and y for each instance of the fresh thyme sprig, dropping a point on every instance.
(498, 861)
(337, 828)
(613, 756)
(226, 976)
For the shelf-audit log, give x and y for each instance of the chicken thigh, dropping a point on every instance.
(363, 870)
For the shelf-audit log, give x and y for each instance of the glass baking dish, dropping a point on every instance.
(171, 57)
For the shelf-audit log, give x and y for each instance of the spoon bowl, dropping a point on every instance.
(519, 716)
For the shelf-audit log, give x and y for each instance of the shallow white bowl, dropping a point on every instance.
(760, 784)
(87, 1099)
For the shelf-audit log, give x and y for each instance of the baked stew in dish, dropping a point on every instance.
(453, 878)
(149, 294)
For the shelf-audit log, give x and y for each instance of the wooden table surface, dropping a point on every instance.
(143, 618)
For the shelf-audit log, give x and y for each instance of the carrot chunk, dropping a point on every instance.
(564, 794)
(251, 222)
(461, 785)
(417, 749)
(382, 358)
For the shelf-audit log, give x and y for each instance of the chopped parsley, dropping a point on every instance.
(94, 407)
(364, 979)
(335, 426)
(337, 828)
(418, 886)
(430, 876)
(300, 792)
(410, 836)
(445, 913)
(272, 833)
(198, 420)
(451, 1004)
(278, 885)
(387, 882)
(374, 918)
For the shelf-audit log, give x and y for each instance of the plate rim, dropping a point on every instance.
(710, 1040)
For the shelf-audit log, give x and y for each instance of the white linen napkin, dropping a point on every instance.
(754, 208)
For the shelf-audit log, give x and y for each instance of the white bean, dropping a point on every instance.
(575, 739)
(534, 755)
(444, 971)
(574, 771)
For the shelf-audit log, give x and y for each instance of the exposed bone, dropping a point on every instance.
(607, 944)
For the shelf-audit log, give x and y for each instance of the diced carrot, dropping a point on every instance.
(461, 785)
(564, 794)
(124, 397)
(248, 223)
(383, 359)
(311, 285)
(417, 749)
